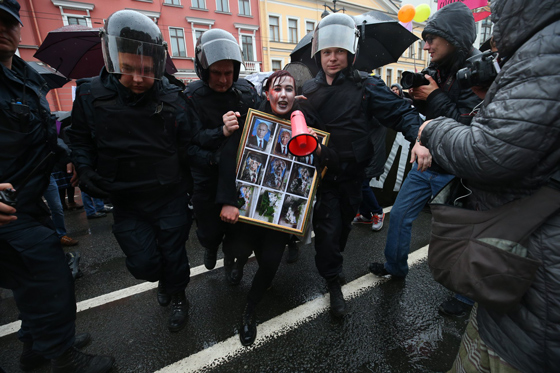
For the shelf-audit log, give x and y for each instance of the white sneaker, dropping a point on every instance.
(377, 222)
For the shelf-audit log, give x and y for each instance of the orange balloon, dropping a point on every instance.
(407, 13)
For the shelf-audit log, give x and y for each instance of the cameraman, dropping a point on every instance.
(32, 262)
(511, 150)
(449, 35)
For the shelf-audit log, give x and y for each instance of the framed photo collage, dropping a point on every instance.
(275, 189)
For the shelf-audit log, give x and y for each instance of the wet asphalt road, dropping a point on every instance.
(391, 326)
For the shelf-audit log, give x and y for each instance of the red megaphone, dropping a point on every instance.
(302, 143)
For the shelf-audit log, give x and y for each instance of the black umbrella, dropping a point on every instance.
(53, 78)
(75, 51)
(302, 53)
(382, 41)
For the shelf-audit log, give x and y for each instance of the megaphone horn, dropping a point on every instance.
(302, 143)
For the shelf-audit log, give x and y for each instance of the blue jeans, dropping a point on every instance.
(417, 189)
(369, 204)
(53, 200)
(92, 205)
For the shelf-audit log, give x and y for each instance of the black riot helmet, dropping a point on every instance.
(132, 44)
(217, 45)
(336, 30)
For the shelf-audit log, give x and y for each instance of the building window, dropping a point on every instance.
(222, 6)
(274, 24)
(378, 72)
(389, 80)
(247, 46)
(276, 65)
(411, 51)
(420, 46)
(292, 31)
(199, 4)
(399, 76)
(244, 8)
(177, 36)
(309, 26)
(77, 21)
(486, 30)
(172, 2)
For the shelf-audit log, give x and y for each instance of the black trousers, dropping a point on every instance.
(211, 230)
(154, 243)
(336, 207)
(34, 267)
(268, 246)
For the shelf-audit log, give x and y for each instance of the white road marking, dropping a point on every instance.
(123, 293)
(280, 325)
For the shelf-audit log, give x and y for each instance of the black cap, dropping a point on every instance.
(12, 7)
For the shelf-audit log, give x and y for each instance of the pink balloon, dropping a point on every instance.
(407, 25)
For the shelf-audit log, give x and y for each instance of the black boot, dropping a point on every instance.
(237, 271)
(163, 297)
(210, 257)
(248, 330)
(179, 312)
(30, 360)
(338, 305)
(74, 360)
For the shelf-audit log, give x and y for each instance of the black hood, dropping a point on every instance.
(454, 23)
(515, 21)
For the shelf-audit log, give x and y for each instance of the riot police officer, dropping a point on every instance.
(219, 90)
(128, 138)
(33, 264)
(341, 101)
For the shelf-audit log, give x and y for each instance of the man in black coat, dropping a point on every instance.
(219, 90)
(128, 137)
(342, 101)
(33, 264)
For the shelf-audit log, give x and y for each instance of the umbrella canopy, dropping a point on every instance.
(383, 40)
(53, 78)
(75, 52)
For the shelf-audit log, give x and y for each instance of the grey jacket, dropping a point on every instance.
(509, 151)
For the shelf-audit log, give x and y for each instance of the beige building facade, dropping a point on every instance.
(284, 23)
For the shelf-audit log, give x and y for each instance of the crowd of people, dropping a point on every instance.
(152, 146)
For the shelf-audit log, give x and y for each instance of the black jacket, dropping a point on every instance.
(205, 138)
(137, 143)
(26, 140)
(350, 110)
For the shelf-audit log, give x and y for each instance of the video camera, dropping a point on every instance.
(413, 80)
(480, 70)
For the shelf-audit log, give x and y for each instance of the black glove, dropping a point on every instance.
(88, 177)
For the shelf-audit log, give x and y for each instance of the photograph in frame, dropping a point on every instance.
(276, 190)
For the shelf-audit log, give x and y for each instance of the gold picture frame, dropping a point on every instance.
(275, 189)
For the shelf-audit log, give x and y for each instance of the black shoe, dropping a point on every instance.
(163, 297)
(74, 360)
(293, 253)
(179, 312)
(338, 305)
(379, 270)
(30, 360)
(229, 262)
(107, 209)
(248, 330)
(210, 257)
(237, 272)
(97, 215)
(454, 307)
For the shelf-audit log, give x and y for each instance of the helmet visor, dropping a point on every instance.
(218, 50)
(133, 57)
(335, 36)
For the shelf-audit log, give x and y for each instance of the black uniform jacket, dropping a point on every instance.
(26, 138)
